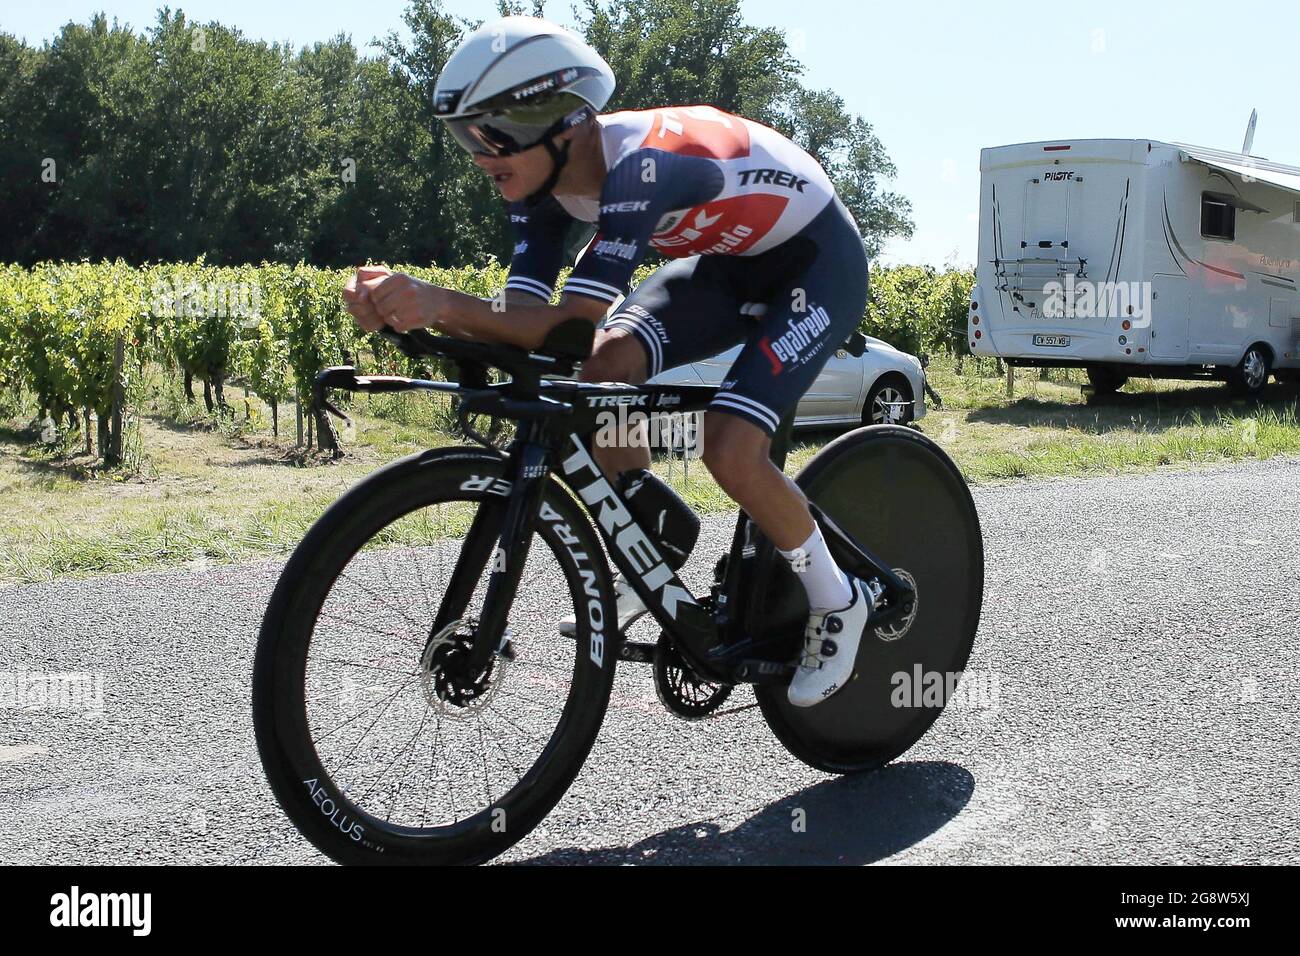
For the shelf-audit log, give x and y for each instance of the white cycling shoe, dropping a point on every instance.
(630, 607)
(830, 647)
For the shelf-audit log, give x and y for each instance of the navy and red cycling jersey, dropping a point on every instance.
(684, 181)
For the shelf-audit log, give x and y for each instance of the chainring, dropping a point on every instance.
(680, 689)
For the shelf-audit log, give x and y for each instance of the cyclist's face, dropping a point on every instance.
(518, 176)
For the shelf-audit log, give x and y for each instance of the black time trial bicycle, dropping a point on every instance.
(413, 698)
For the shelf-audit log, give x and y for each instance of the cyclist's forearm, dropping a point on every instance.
(514, 322)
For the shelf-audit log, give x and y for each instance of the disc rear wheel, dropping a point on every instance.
(899, 495)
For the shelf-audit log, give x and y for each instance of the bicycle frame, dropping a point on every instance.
(553, 418)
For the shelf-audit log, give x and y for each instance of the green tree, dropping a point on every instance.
(855, 160)
(456, 216)
(84, 115)
(22, 195)
(670, 52)
(231, 122)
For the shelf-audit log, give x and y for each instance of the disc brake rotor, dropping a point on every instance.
(441, 677)
(903, 623)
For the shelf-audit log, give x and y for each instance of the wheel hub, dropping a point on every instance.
(889, 404)
(1254, 369)
(442, 674)
(903, 623)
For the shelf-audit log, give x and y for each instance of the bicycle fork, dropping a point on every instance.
(501, 534)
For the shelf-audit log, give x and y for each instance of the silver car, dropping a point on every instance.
(881, 386)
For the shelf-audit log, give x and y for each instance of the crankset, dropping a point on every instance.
(680, 689)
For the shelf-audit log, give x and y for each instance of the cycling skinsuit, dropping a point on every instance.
(764, 252)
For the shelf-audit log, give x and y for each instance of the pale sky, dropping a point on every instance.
(937, 80)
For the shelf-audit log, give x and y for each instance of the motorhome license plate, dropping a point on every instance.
(1058, 341)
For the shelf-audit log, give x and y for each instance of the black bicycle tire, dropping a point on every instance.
(279, 707)
(772, 697)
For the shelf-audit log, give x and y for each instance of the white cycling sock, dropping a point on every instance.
(827, 586)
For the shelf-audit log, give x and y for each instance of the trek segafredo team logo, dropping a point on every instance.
(792, 347)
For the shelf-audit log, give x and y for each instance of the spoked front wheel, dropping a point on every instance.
(902, 497)
(378, 744)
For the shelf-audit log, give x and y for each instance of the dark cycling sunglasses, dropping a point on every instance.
(506, 126)
(493, 135)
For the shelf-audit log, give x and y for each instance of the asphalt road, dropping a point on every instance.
(1138, 654)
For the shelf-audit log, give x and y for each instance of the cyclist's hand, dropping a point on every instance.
(356, 297)
(404, 303)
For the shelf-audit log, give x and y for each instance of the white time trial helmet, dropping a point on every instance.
(518, 81)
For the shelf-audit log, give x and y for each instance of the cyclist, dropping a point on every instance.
(762, 252)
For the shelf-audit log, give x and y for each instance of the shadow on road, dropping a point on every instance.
(848, 821)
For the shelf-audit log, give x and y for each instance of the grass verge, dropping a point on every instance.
(203, 491)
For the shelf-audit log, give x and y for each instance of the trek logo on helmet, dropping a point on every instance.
(545, 84)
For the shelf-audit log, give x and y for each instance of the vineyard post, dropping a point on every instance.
(105, 440)
(297, 404)
(113, 453)
(1011, 380)
(90, 446)
(325, 439)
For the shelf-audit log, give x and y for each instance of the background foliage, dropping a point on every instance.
(190, 140)
(272, 328)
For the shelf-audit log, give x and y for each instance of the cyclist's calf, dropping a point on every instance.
(735, 452)
(739, 456)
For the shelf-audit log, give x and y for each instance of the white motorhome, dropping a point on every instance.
(1136, 257)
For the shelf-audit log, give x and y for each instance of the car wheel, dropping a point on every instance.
(890, 402)
(1250, 375)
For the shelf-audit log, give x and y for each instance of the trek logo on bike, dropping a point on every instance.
(620, 527)
(604, 401)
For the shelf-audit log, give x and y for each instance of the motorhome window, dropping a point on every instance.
(1218, 218)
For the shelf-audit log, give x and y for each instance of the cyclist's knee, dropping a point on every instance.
(734, 450)
(616, 357)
